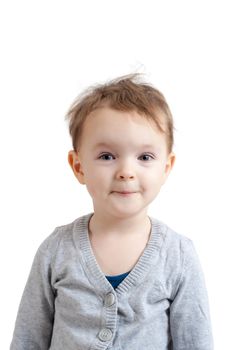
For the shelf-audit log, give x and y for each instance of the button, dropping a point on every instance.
(109, 300)
(105, 334)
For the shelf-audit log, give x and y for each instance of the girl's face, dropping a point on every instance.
(122, 160)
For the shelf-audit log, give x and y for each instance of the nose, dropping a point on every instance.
(125, 172)
(125, 177)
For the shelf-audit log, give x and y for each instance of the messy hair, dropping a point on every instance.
(126, 93)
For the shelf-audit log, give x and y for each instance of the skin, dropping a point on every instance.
(124, 165)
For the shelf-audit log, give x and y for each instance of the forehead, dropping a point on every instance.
(108, 127)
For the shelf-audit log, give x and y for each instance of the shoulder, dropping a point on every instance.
(62, 237)
(172, 238)
(176, 248)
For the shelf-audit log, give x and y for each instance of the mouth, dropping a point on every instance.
(124, 193)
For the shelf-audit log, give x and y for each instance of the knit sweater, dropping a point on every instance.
(68, 303)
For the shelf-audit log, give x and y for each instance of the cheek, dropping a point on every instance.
(93, 183)
(154, 178)
(91, 189)
(150, 176)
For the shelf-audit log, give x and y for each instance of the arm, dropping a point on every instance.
(34, 323)
(189, 313)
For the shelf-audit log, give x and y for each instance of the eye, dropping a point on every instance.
(146, 155)
(105, 155)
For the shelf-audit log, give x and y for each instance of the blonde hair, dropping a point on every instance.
(126, 93)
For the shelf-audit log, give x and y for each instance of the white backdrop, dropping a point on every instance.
(50, 52)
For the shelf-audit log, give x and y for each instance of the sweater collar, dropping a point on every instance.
(139, 271)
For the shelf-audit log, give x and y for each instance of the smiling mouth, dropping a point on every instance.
(124, 193)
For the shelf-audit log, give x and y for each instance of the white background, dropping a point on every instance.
(50, 52)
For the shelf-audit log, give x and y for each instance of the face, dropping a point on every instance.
(122, 160)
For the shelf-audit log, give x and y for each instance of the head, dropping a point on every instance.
(122, 136)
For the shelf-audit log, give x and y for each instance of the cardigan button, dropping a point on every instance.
(105, 334)
(109, 300)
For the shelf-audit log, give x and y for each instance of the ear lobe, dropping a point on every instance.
(169, 166)
(76, 166)
(171, 161)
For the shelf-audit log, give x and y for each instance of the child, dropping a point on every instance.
(117, 278)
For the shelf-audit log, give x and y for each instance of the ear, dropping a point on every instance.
(169, 165)
(75, 163)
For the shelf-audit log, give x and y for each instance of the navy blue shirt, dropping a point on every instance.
(116, 280)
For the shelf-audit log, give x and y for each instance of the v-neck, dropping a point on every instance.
(92, 268)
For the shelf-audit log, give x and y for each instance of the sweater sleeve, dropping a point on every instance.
(189, 313)
(34, 322)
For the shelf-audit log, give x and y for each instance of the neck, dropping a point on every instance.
(103, 223)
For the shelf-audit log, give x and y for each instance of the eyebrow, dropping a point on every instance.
(105, 144)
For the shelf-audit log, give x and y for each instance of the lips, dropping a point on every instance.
(124, 192)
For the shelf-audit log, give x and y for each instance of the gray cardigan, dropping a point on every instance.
(68, 303)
